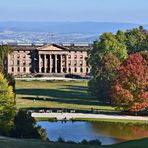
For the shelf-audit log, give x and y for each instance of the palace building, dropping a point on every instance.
(48, 60)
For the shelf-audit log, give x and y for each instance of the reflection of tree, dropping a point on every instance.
(121, 131)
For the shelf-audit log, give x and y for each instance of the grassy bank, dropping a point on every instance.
(142, 143)
(56, 94)
(22, 143)
(45, 119)
(121, 121)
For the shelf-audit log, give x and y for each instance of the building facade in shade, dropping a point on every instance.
(48, 60)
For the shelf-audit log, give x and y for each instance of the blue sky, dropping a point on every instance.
(133, 11)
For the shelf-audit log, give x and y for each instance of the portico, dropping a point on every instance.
(52, 63)
(52, 60)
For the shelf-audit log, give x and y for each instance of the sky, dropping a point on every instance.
(123, 11)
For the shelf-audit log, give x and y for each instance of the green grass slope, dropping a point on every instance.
(142, 143)
(22, 143)
(58, 94)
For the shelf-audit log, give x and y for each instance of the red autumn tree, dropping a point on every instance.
(130, 91)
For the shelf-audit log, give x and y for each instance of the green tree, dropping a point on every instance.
(108, 43)
(25, 127)
(136, 40)
(7, 106)
(104, 60)
(4, 50)
(106, 75)
(121, 37)
(11, 81)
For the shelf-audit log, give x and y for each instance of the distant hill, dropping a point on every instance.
(59, 32)
(67, 27)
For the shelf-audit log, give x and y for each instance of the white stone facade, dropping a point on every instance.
(49, 60)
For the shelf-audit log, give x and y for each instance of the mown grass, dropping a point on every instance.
(142, 143)
(52, 119)
(122, 121)
(22, 143)
(56, 94)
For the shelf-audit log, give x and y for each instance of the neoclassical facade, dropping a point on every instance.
(48, 60)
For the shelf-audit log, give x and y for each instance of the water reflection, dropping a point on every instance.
(121, 131)
(107, 133)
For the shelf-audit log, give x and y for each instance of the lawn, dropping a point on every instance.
(56, 94)
(122, 121)
(22, 143)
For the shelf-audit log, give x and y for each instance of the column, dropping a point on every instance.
(45, 63)
(61, 64)
(50, 57)
(49, 63)
(40, 63)
(66, 63)
(55, 63)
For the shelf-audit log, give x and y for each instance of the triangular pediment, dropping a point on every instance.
(52, 47)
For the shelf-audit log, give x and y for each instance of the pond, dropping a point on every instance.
(107, 133)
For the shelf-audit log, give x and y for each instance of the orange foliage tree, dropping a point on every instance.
(130, 91)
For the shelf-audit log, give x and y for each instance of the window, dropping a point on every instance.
(75, 69)
(69, 69)
(69, 63)
(18, 56)
(12, 69)
(24, 56)
(75, 63)
(24, 63)
(64, 70)
(75, 56)
(81, 63)
(81, 69)
(87, 70)
(18, 62)
(18, 69)
(81, 56)
(24, 69)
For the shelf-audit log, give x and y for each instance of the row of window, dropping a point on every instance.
(18, 56)
(81, 70)
(75, 70)
(75, 56)
(18, 62)
(75, 63)
(75, 51)
(18, 69)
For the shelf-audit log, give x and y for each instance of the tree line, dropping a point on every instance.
(119, 66)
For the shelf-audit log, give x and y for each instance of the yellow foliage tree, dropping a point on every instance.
(7, 106)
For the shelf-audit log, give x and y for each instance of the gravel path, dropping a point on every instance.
(69, 116)
(50, 79)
